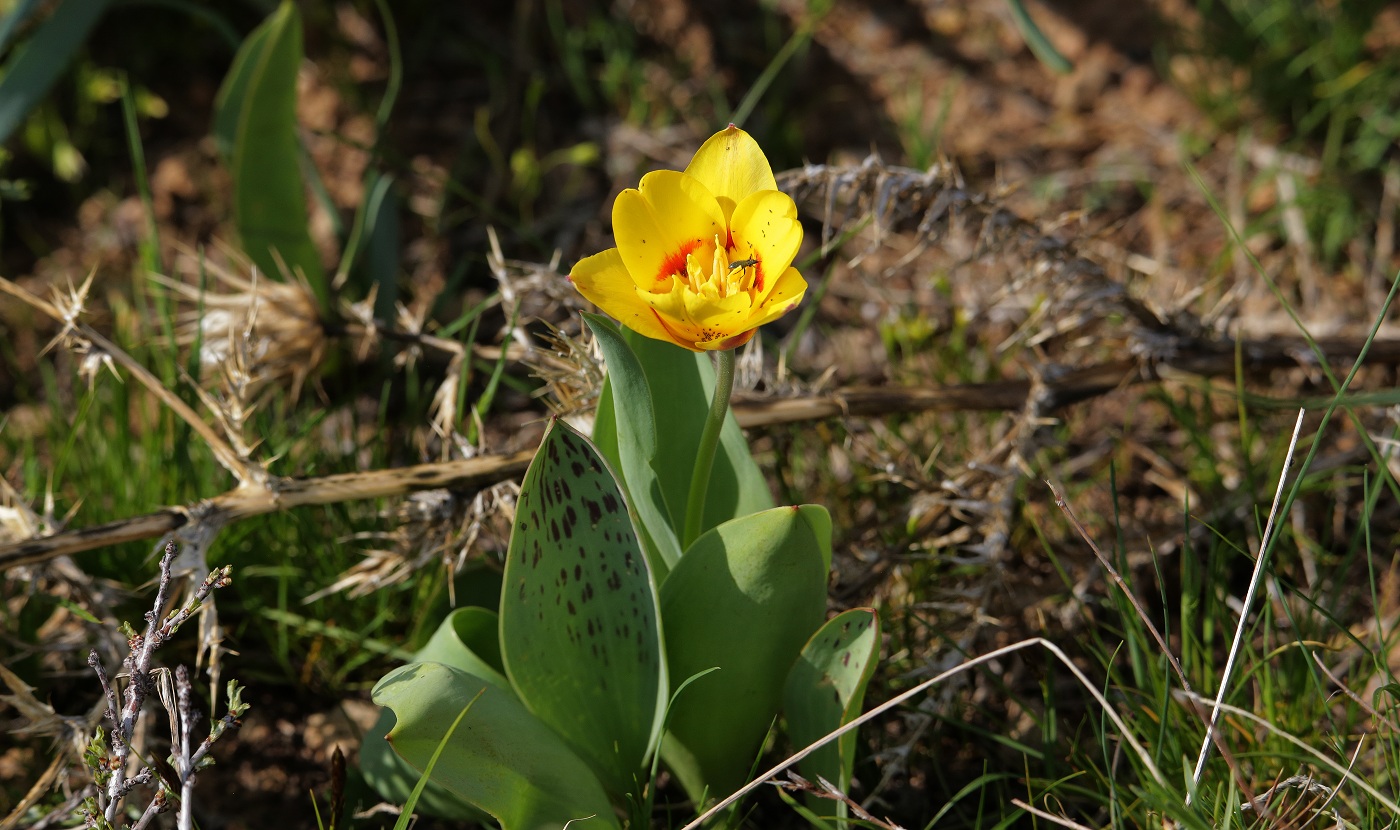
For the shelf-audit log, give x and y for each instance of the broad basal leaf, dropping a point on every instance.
(468, 640)
(744, 598)
(501, 758)
(580, 631)
(256, 124)
(825, 691)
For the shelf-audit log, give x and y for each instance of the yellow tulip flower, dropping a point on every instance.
(703, 257)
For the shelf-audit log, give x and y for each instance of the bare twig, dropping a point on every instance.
(111, 764)
(283, 493)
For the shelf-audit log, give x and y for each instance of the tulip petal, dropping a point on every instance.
(731, 342)
(732, 166)
(663, 221)
(765, 228)
(787, 292)
(604, 280)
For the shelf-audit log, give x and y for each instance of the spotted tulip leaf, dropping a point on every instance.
(635, 444)
(744, 598)
(500, 758)
(468, 640)
(825, 691)
(580, 629)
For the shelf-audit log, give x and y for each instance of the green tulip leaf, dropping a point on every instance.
(255, 126)
(681, 384)
(468, 640)
(745, 597)
(675, 398)
(500, 758)
(825, 691)
(629, 413)
(580, 629)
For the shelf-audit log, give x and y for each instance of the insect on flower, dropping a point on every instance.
(743, 263)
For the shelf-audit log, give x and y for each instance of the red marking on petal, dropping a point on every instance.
(729, 240)
(737, 340)
(674, 263)
(758, 276)
(675, 336)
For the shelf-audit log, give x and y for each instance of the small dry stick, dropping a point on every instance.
(1047, 815)
(1120, 582)
(1255, 579)
(825, 789)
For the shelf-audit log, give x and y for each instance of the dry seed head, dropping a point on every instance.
(254, 331)
(571, 368)
(19, 521)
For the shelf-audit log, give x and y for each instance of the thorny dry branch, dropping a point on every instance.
(1043, 398)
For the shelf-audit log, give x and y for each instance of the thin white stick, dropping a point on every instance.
(1345, 772)
(1254, 580)
(925, 686)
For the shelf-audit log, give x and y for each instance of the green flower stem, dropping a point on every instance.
(705, 453)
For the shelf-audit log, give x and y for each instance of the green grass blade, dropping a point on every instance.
(1040, 45)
